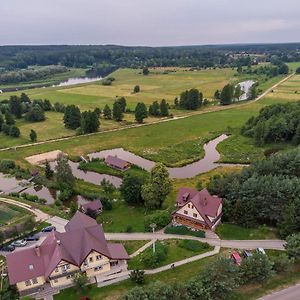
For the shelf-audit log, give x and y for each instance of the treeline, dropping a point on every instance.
(110, 56)
(267, 192)
(272, 70)
(30, 74)
(275, 123)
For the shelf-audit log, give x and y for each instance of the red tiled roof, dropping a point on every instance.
(185, 194)
(93, 205)
(116, 162)
(82, 236)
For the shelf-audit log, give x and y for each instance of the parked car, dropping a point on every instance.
(19, 243)
(49, 229)
(261, 250)
(8, 248)
(235, 256)
(247, 253)
(32, 238)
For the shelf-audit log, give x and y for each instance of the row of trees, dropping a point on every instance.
(159, 109)
(217, 281)
(190, 99)
(86, 122)
(275, 123)
(267, 192)
(272, 70)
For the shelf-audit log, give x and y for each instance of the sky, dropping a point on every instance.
(148, 22)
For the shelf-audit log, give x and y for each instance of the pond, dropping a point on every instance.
(245, 87)
(77, 80)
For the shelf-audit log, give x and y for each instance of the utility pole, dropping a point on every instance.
(153, 226)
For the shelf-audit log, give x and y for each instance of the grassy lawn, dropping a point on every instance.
(10, 214)
(235, 232)
(176, 251)
(122, 218)
(131, 246)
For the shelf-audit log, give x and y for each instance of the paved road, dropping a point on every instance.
(239, 244)
(291, 293)
(218, 108)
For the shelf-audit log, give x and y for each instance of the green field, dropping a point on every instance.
(10, 214)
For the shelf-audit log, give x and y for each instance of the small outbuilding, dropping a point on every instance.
(117, 163)
(94, 207)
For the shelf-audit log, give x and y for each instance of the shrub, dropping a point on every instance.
(282, 263)
(193, 245)
(14, 131)
(152, 260)
(161, 218)
(65, 194)
(106, 82)
(6, 165)
(184, 231)
(137, 276)
(106, 203)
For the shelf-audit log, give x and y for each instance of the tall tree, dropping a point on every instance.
(122, 102)
(33, 136)
(146, 71)
(89, 122)
(164, 108)
(227, 94)
(15, 106)
(117, 112)
(292, 246)
(136, 89)
(24, 98)
(106, 112)
(64, 173)
(48, 171)
(141, 112)
(14, 131)
(154, 109)
(155, 191)
(131, 188)
(2, 121)
(72, 117)
(35, 114)
(9, 119)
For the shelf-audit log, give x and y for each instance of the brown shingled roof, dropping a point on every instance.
(116, 162)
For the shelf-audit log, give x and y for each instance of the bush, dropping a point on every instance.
(33, 198)
(65, 195)
(106, 82)
(161, 218)
(152, 260)
(14, 131)
(106, 203)
(6, 165)
(282, 263)
(193, 245)
(184, 231)
(137, 276)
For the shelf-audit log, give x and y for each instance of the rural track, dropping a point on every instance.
(216, 109)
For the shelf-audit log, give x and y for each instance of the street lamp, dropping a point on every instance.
(153, 226)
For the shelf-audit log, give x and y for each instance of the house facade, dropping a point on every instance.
(82, 249)
(197, 209)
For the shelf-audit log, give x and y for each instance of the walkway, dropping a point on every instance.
(39, 215)
(238, 244)
(291, 293)
(214, 109)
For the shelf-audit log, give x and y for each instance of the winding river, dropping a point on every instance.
(208, 163)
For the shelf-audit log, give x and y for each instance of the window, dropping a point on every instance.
(91, 259)
(189, 206)
(97, 268)
(98, 257)
(69, 276)
(114, 263)
(194, 215)
(85, 263)
(56, 270)
(34, 281)
(64, 268)
(30, 267)
(55, 280)
(27, 283)
(185, 212)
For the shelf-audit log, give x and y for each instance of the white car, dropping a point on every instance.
(261, 250)
(19, 243)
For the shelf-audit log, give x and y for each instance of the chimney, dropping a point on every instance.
(58, 242)
(37, 251)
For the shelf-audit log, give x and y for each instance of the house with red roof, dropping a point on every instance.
(117, 163)
(82, 248)
(197, 209)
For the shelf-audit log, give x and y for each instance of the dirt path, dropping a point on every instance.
(214, 109)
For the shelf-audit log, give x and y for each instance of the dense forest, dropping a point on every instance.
(20, 57)
(267, 192)
(275, 123)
